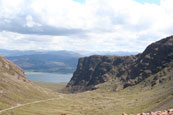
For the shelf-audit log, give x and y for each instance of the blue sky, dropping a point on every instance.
(95, 25)
(81, 1)
(149, 1)
(140, 1)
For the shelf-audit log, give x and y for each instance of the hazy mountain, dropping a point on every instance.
(46, 61)
(118, 53)
(4, 52)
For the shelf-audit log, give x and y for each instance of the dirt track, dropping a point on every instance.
(21, 105)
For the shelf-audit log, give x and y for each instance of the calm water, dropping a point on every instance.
(48, 77)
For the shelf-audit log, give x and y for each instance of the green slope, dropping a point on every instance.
(135, 99)
(15, 88)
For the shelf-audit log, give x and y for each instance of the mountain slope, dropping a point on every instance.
(131, 100)
(15, 88)
(124, 71)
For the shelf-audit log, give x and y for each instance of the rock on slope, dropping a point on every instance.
(15, 88)
(166, 112)
(155, 61)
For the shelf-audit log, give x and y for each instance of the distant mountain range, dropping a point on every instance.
(107, 53)
(45, 61)
(50, 61)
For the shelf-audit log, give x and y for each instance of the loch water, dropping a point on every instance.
(48, 77)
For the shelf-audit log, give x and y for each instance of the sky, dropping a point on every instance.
(149, 1)
(84, 25)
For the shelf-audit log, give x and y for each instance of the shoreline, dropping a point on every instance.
(33, 72)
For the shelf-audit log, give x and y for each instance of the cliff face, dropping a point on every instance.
(126, 71)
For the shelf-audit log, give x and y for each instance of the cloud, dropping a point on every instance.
(106, 25)
(35, 17)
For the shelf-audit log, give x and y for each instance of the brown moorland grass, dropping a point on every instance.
(131, 100)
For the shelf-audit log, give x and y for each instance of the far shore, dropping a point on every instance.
(33, 72)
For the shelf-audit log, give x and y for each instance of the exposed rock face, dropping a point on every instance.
(125, 70)
(166, 112)
(8, 69)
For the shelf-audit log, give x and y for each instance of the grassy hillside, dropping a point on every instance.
(15, 92)
(132, 100)
(56, 87)
(15, 88)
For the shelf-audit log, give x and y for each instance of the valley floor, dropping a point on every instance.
(21, 105)
(131, 100)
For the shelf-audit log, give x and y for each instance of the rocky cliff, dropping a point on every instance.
(124, 71)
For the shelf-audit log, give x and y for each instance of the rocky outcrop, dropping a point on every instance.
(8, 69)
(166, 112)
(124, 70)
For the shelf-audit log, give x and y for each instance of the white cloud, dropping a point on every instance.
(30, 22)
(105, 25)
(10, 8)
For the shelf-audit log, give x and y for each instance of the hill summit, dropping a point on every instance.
(156, 63)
